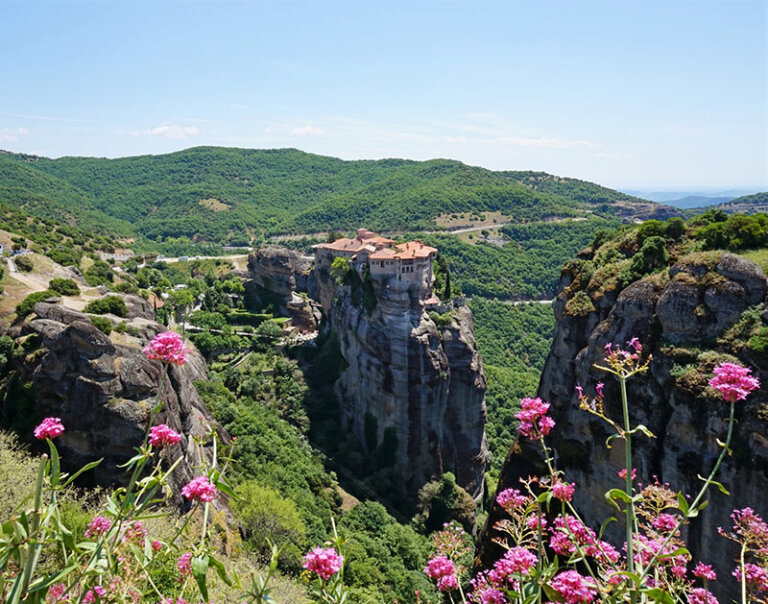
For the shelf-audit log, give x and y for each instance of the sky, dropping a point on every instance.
(656, 94)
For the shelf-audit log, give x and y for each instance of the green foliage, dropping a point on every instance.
(529, 266)
(579, 305)
(66, 287)
(735, 232)
(24, 264)
(162, 198)
(340, 269)
(27, 305)
(99, 273)
(103, 324)
(652, 256)
(268, 518)
(444, 501)
(107, 305)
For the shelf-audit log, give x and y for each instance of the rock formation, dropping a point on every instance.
(699, 312)
(406, 373)
(103, 389)
(281, 276)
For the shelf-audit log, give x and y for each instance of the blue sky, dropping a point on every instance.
(627, 94)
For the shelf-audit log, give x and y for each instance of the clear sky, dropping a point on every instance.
(624, 93)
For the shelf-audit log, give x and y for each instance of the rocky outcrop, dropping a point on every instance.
(407, 377)
(689, 317)
(281, 276)
(104, 390)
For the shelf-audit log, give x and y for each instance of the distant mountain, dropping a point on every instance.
(748, 204)
(225, 195)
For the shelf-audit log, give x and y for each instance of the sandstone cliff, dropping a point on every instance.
(407, 374)
(280, 276)
(703, 309)
(103, 388)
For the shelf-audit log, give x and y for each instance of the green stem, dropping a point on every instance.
(630, 513)
(743, 574)
(205, 523)
(702, 492)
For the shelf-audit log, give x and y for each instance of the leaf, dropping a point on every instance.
(55, 463)
(614, 494)
(723, 490)
(645, 431)
(200, 571)
(85, 468)
(605, 524)
(682, 503)
(680, 551)
(225, 488)
(221, 571)
(609, 439)
(659, 595)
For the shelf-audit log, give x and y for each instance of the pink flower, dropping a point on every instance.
(91, 594)
(635, 343)
(50, 427)
(704, 571)
(325, 562)
(699, 595)
(56, 593)
(733, 381)
(184, 563)
(163, 436)
(135, 531)
(579, 390)
(447, 582)
(563, 490)
(489, 595)
(664, 522)
(574, 588)
(157, 546)
(167, 346)
(98, 526)
(623, 473)
(599, 389)
(755, 575)
(533, 421)
(199, 489)
(516, 561)
(511, 498)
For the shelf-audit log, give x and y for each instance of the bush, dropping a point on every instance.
(103, 324)
(266, 517)
(107, 305)
(27, 305)
(24, 264)
(99, 273)
(66, 287)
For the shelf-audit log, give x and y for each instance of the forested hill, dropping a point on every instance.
(226, 195)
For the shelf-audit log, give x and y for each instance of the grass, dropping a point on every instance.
(759, 257)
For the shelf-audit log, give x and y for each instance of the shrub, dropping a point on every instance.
(66, 287)
(107, 305)
(27, 305)
(24, 263)
(580, 305)
(99, 273)
(103, 324)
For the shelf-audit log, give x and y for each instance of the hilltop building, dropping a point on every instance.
(403, 266)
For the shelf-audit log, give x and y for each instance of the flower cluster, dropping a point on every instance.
(199, 489)
(184, 564)
(511, 499)
(574, 588)
(50, 427)
(169, 347)
(163, 436)
(98, 526)
(534, 423)
(733, 381)
(325, 562)
(443, 571)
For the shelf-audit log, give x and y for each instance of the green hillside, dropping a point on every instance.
(224, 195)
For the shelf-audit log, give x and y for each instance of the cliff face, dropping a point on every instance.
(280, 275)
(103, 389)
(403, 371)
(700, 311)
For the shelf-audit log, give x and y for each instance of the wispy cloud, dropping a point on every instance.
(11, 135)
(307, 131)
(168, 130)
(43, 117)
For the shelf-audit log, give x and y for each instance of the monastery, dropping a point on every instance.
(398, 266)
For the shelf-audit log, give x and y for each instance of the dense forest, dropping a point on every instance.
(236, 196)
